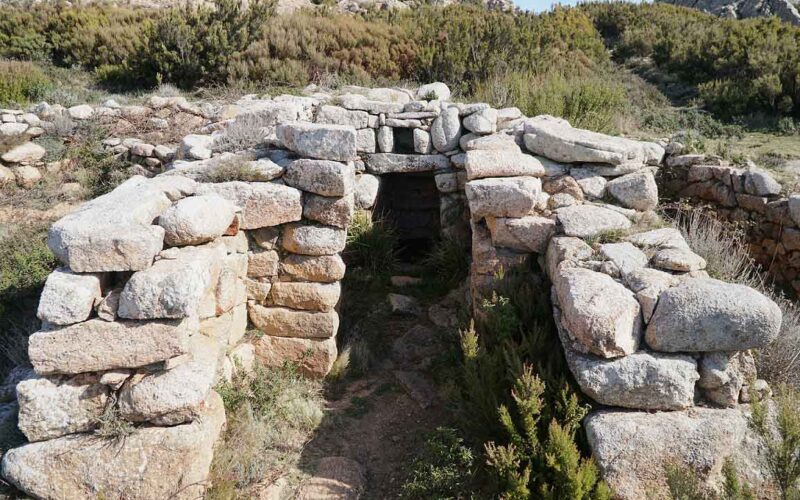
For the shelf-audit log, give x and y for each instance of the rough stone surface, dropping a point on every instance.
(642, 380)
(177, 395)
(313, 240)
(502, 197)
(446, 130)
(196, 220)
(98, 345)
(68, 298)
(585, 221)
(481, 163)
(52, 407)
(263, 204)
(435, 90)
(704, 314)
(313, 357)
(306, 296)
(366, 190)
(284, 322)
(114, 232)
(567, 251)
(625, 256)
(483, 121)
(152, 462)
(637, 190)
(633, 449)
(600, 314)
(323, 142)
(387, 163)
(325, 178)
(557, 140)
(174, 287)
(336, 212)
(323, 269)
(528, 234)
(28, 152)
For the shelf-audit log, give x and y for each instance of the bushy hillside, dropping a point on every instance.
(738, 66)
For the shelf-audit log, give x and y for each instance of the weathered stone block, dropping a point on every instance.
(704, 314)
(502, 197)
(98, 345)
(68, 298)
(283, 322)
(152, 462)
(322, 177)
(263, 203)
(313, 357)
(324, 142)
(313, 240)
(196, 220)
(306, 296)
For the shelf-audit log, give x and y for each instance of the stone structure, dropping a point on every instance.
(747, 197)
(160, 276)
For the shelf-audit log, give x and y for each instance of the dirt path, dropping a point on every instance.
(381, 420)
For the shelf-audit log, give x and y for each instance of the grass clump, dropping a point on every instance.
(234, 169)
(271, 415)
(371, 244)
(780, 430)
(448, 262)
(21, 83)
(112, 425)
(245, 132)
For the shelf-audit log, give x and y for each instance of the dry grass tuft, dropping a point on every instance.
(271, 416)
(726, 253)
(245, 132)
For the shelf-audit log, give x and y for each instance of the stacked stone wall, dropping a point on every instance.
(162, 277)
(751, 199)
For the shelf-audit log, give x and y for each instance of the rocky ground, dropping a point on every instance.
(378, 423)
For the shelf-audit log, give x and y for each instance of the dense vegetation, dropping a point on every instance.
(555, 62)
(737, 66)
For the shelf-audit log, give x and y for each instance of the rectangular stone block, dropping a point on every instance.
(263, 204)
(98, 345)
(114, 232)
(284, 322)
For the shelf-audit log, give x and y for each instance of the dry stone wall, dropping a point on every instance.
(162, 276)
(748, 197)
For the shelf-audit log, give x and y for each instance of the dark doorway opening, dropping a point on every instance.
(409, 203)
(404, 141)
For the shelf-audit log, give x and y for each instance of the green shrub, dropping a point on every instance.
(303, 47)
(21, 83)
(195, 43)
(371, 245)
(550, 467)
(445, 469)
(593, 100)
(781, 434)
(25, 263)
(447, 263)
(737, 66)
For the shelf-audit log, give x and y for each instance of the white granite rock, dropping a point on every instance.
(54, 407)
(599, 313)
(585, 221)
(502, 197)
(197, 219)
(98, 345)
(323, 142)
(68, 298)
(177, 287)
(263, 204)
(704, 314)
(152, 462)
(322, 177)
